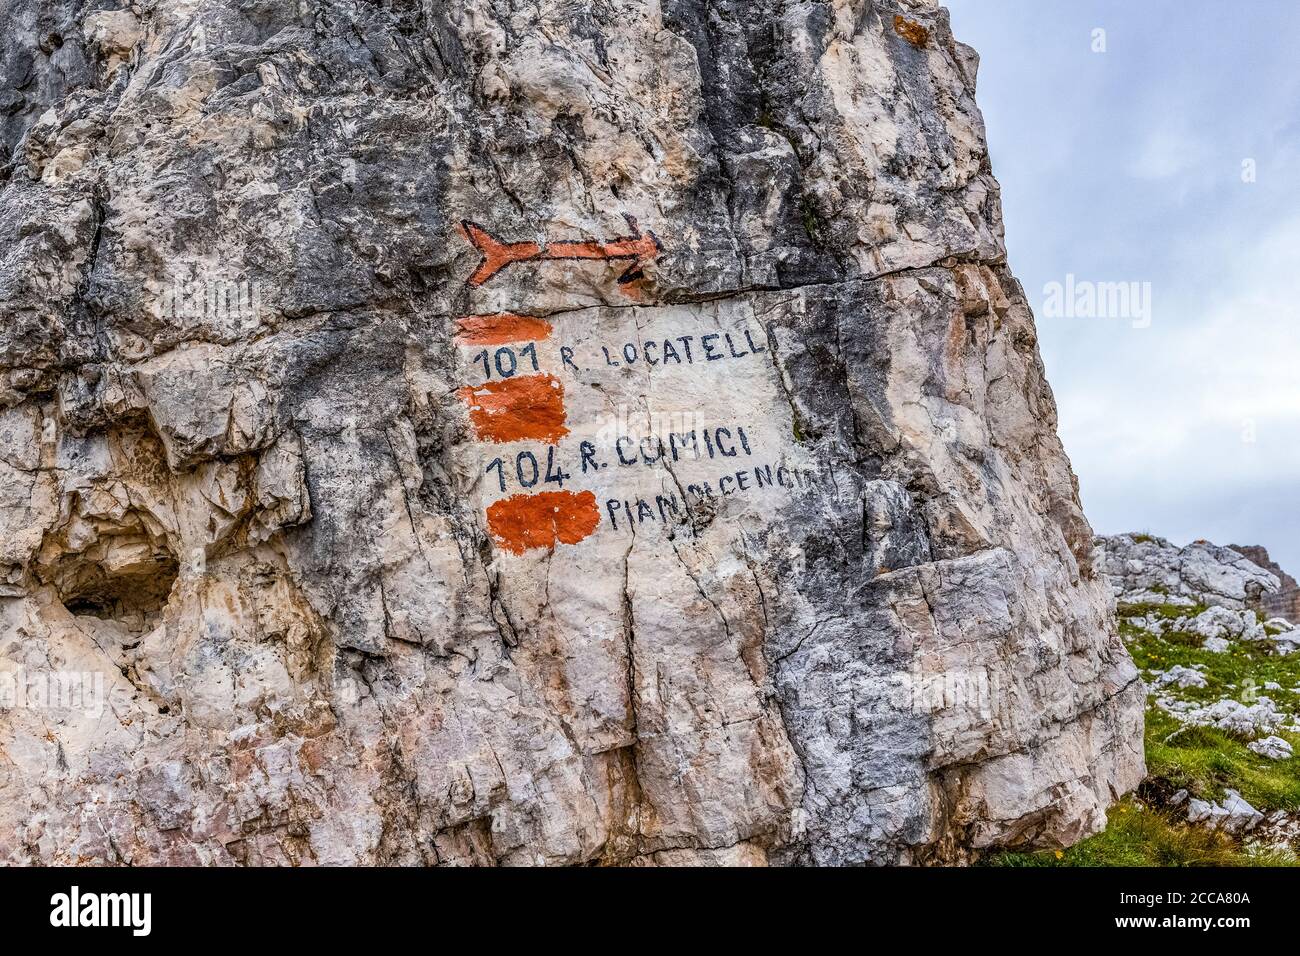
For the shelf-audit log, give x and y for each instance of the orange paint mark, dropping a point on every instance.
(542, 520)
(530, 407)
(911, 31)
(496, 255)
(500, 328)
(633, 247)
(641, 247)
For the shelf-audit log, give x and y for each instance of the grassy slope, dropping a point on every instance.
(1143, 832)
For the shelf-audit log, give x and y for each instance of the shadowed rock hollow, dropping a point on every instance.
(529, 433)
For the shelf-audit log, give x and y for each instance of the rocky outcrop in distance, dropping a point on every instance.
(1285, 602)
(1223, 685)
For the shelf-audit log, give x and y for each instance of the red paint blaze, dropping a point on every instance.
(496, 254)
(523, 522)
(500, 328)
(527, 408)
(641, 247)
(631, 247)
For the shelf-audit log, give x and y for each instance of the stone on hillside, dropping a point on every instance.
(1233, 815)
(1287, 642)
(1232, 716)
(1140, 566)
(1285, 602)
(1151, 623)
(1274, 748)
(1226, 623)
(1180, 676)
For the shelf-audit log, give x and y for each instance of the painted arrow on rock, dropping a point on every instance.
(641, 247)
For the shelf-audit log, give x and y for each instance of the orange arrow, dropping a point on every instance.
(641, 247)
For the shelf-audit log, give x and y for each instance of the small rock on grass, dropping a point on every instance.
(1234, 815)
(1274, 748)
(1181, 676)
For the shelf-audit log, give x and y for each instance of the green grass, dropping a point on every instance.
(1138, 836)
(1243, 670)
(1201, 760)
(1206, 762)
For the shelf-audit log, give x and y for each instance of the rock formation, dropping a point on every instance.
(1285, 602)
(528, 434)
(1143, 568)
(1223, 682)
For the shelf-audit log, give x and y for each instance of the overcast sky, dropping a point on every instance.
(1127, 165)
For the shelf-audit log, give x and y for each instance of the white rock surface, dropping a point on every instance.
(1233, 815)
(1149, 569)
(1280, 831)
(1287, 642)
(1180, 676)
(1247, 720)
(1226, 623)
(1274, 748)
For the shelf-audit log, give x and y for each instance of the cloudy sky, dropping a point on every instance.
(1131, 165)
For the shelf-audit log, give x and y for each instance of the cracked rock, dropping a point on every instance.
(1180, 676)
(1234, 815)
(1272, 747)
(542, 434)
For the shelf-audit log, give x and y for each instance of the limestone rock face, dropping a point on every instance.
(528, 434)
(1143, 568)
(1285, 602)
